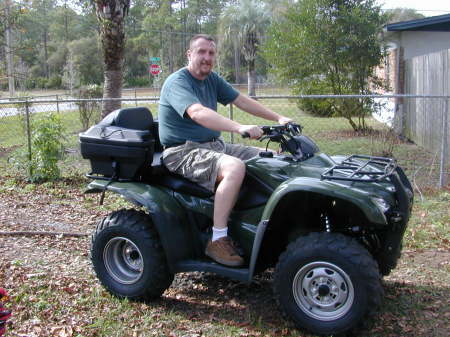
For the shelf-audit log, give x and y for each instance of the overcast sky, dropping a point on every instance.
(426, 7)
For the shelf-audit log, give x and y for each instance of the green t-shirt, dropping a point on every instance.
(181, 90)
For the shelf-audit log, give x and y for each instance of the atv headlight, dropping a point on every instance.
(382, 205)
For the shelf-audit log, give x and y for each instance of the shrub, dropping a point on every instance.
(320, 107)
(138, 82)
(54, 82)
(47, 149)
(89, 111)
(383, 142)
(39, 83)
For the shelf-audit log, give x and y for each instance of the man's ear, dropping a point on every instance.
(188, 54)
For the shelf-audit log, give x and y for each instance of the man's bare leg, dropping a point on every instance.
(230, 176)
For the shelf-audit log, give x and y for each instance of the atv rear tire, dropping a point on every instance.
(327, 283)
(128, 258)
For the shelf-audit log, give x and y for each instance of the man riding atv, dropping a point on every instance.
(189, 130)
(329, 226)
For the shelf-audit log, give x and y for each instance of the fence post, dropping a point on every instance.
(27, 119)
(442, 172)
(135, 97)
(57, 104)
(230, 116)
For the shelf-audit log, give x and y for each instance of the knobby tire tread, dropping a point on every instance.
(348, 248)
(140, 222)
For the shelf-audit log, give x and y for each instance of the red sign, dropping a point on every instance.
(155, 69)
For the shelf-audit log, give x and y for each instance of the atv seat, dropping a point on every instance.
(162, 176)
(253, 192)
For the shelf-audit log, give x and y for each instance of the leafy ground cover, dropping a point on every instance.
(55, 293)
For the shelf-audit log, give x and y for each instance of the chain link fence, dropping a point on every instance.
(261, 89)
(412, 129)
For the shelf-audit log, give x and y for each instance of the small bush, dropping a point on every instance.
(30, 83)
(89, 111)
(138, 82)
(39, 83)
(319, 107)
(54, 82)
(47, 149)
(383, 143)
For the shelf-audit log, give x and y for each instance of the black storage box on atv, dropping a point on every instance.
(119, 147)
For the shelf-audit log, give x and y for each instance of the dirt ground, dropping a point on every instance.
(416, 293)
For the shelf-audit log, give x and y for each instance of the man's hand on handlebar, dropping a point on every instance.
(284, 120)
(250, 131)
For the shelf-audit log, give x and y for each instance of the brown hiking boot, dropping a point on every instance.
(224, 252)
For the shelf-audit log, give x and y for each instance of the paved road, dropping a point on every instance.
(7, 110)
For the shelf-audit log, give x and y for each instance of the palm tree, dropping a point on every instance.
(111, 15)
(244, 25)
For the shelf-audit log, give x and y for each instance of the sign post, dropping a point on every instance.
(155, 69)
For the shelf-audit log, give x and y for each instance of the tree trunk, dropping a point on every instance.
(171, 53)
(9, 52)
(352, 123)
(237, 60)
(251, 74)
(111, 15)
(46, 69)
(112, 89)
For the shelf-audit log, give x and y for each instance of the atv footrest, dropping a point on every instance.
(361, 168)
(239, 274)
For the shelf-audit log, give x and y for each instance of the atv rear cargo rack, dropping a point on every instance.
(361, 168)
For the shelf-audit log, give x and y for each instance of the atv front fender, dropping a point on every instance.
(357, 197)
(167, 215)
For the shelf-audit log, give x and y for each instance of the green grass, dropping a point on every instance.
(333, 135)
(429, 224)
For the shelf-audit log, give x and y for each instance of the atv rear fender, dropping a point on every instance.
(359, 198)
(168, 217)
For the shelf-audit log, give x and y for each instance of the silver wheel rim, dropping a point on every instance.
(323, 291)
(123, 260)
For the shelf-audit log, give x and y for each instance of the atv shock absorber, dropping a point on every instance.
(326, 222)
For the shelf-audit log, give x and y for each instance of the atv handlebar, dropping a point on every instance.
(291, 129)
(275, 131)
(287, 135)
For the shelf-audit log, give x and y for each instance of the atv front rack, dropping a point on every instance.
(361, 168)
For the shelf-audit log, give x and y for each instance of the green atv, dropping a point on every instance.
(330, 226)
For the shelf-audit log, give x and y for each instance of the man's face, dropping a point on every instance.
(202, 56)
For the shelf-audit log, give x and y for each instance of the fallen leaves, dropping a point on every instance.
(54, 291)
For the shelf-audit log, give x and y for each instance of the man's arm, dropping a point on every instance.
(257, 109)
(214, 121)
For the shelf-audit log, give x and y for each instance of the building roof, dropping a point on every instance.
(440, 23)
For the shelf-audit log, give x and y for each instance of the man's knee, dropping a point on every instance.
(231, 167)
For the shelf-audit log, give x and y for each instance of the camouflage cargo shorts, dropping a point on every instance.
(199, 162)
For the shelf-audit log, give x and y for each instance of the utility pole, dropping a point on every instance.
(8, 50)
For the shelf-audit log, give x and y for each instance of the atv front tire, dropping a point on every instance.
(327, 283)
(128, 258)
